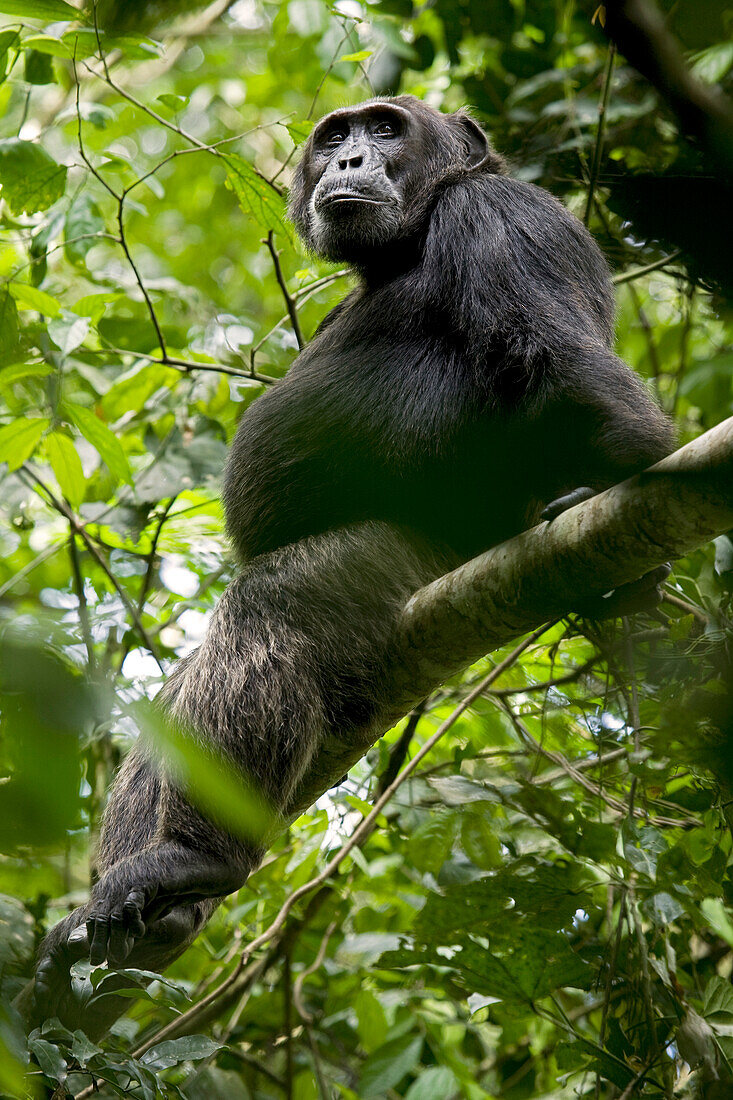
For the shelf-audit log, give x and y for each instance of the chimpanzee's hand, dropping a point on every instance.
(115, 918)
(142, 889)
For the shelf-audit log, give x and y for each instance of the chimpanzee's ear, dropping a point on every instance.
(474, 139)
(479, 151)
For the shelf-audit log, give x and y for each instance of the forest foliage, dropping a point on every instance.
(546, 908)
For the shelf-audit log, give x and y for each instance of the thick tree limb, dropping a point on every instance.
(677, 505)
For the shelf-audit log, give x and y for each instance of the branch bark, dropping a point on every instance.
(677, 505)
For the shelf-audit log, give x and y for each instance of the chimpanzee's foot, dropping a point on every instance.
(569, 500)
(642, 595)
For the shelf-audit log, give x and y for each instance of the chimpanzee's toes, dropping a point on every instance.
(51, 981)
(569, 500)
(643, 594)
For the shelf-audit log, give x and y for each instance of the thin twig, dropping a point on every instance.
(598, 149)
(400, 749)
(568, 678)
(65, 510)
(314, 966)
(81, 598)
(638, 272)
(688, 608)
(289, 303)
(186, 365)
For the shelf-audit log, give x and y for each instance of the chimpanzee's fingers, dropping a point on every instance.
(133, 910)
(120, 941)
(98, 930)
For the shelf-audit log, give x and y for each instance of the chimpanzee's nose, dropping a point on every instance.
(351, 162)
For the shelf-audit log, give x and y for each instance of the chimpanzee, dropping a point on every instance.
(468, 381)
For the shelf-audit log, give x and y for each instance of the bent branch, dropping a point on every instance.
(677, 505)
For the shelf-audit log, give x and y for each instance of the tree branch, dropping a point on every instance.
(677, 505)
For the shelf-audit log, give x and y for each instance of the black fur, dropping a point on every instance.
(467, 382)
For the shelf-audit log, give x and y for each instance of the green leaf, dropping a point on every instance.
(665, 908)
(718, 1002)
(68, 332)
(38, 68)
(433, 1084)
(31, 179)
(16, 372)
(30, 297)
(46, 44)
(371, 1020)
(65, 463)
(300, 131)
(360, 55)
(254, 194)
(190, 1048)
(94, 305)
(173, 102)
(388, 1065)
(479, 841)
(533, 964)
(714, 912)
(456, 790)
(723, 555)
(49, 1059)
(19, 440)
(132, 391)
(48, 10)
(102, 439)
(711, 65)
(82, 224)
(9, 330)
(432, 841)
(7, 39)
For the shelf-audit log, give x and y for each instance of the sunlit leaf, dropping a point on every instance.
(300, 131)
(19, 440)
(31, 179)
(16, 372)
(255, 195)
(48, 10)
(30, 297)
(68, 332)
(360, 55)
(66, 465)
(102, 439)
(82, 225)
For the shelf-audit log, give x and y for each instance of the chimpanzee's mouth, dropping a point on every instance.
(345, 197)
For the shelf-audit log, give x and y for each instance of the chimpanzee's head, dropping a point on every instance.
(368, 174)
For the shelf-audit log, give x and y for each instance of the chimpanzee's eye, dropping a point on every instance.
(335, 138)
(385, 129)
